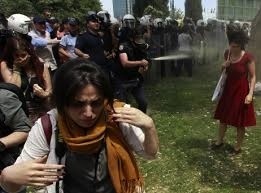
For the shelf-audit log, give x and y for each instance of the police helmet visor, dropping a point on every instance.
(73, 21)
(129, 23)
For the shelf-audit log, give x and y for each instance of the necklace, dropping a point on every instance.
(236, 59)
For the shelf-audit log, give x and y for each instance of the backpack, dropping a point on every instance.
(9, 156)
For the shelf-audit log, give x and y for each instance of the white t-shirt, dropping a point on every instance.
(185, 42)
(36, 145)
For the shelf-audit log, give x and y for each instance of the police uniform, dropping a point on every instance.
(92, 44)
(128, 79)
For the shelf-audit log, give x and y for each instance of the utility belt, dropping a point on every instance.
(127, 83)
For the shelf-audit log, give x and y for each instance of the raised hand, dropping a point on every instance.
(133, 116)
(38, 91)
(33, 173)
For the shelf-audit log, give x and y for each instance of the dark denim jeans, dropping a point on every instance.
(122, 88)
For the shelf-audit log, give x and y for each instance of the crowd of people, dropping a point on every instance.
(71, 77)
(82, 79)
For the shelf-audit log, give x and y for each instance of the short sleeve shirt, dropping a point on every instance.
(68, 42)
(92, 44)
(127, 73)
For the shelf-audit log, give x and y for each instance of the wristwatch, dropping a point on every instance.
(2, 146)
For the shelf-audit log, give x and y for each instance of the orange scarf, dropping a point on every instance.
(122, 165)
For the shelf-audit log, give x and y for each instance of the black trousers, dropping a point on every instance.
(187, 63)
(122, 88)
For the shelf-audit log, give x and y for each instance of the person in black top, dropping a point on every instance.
(131, 63)
(90, 45)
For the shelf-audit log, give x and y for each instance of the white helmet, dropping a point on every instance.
(158, 22)
(19, 23)
(129, 21)
(168, 20)
(114, 20)
(104, 15)
(145, 20)
(201, 22)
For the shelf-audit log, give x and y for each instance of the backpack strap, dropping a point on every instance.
(47, 127)
(60, 148)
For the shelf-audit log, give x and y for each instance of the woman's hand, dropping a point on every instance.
(33, 173)
(226, 64)
(137, 118)
(133, 116)
(39, 91)
(248, 99)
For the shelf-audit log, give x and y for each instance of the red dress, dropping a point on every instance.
(231, 109)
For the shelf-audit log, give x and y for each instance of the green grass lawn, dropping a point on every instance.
(183, 111)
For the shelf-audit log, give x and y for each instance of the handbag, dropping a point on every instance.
(221, 83)
(220, 86)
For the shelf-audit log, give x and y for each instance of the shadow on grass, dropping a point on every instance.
(218, 169)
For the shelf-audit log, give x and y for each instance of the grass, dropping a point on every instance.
(182, 110)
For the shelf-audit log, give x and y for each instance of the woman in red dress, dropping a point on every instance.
(235, 106)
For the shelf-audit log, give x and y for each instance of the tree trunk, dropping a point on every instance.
(193, 9)
(254, 45)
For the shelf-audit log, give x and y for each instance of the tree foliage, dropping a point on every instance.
(139, 7)
(176, 14)
(193, 9)
(59, 8)
(158, 7)
(153, 12)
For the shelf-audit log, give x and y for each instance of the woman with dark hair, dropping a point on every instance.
(100, 136)
(22, 67)
(235, 106)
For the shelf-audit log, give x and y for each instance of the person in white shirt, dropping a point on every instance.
(185, 47)
(100, 135)
(43, 43)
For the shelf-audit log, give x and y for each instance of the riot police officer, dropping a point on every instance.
(131, 63)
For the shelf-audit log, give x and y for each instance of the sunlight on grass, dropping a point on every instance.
(182, 110)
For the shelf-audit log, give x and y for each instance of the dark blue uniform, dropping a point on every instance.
(129, 79)
(92, 45)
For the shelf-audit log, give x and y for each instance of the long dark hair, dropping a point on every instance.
(73, 76)
(238, 37)
(23, 42)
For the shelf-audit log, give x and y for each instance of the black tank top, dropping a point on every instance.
(87, 173)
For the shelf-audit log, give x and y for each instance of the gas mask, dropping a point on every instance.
(140, 44)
